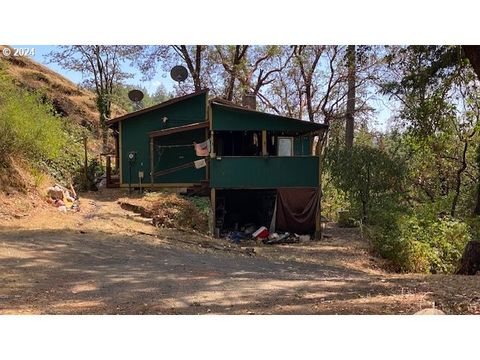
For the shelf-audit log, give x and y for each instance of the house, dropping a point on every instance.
(259, 168)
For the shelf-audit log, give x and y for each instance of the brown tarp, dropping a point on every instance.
(296, 209)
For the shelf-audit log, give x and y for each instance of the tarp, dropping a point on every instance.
(296, 209)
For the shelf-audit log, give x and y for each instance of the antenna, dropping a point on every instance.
(136, 96)
(179, 73)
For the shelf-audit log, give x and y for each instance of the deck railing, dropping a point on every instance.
(263, 171)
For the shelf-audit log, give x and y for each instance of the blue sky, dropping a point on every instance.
(380, 122)
(160, 78)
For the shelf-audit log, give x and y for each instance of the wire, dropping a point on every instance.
(172, 146)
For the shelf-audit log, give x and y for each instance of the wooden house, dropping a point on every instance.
(257, 167)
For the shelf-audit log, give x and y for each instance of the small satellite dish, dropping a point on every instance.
(179, 73)
(135, 95)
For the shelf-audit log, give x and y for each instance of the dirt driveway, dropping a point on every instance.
(106, 260)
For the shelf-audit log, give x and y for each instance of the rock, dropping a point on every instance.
(55, 192)
(430, 311)
(304, 238)
(62, 208)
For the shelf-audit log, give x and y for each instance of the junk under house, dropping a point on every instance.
(259, 169)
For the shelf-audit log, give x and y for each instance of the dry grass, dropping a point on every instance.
(68, 98)
(169, 210)
(21, 189)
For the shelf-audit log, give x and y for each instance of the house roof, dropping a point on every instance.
(155, 107)
(307, 126)
(301, 125)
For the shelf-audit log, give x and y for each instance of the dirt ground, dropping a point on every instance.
(107, 260)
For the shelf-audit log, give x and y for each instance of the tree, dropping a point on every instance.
(439, 114)
(366, 174)
(101, 66)
(195, 58)
(349, 117)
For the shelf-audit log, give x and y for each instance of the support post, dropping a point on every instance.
(213, 206)
(318, 215)
(207, 170)
(85, 161)
(152, 162)
(264, 143)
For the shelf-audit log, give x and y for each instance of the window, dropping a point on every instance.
(285, 146)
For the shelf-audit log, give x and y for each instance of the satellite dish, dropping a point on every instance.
(179, 73)
(135, 95)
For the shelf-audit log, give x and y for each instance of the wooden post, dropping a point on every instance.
(213, 205)
(207, 170)
(109, 171)
(152, 162)
(318, 216)
(85, 161)
(264, 143)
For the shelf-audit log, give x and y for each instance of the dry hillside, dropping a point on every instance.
(68, 98)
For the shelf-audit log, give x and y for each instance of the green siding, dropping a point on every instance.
(234, 119)
(301, 146)
(134, 137)
(264, 172)
(166, 158)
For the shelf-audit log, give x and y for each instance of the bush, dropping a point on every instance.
(366, 175)
(28, 127)
(421, 244)
(95, 171)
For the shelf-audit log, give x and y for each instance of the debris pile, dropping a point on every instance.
(262, 234)
(170, 210)
(62, 198)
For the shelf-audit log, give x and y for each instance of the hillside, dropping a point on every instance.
(67, 98)
(43, 118)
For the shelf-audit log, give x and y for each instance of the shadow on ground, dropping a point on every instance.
(73, 272)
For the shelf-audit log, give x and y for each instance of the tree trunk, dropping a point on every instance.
(470, 263)
(349, 118)
(458, 182)
(476, 211)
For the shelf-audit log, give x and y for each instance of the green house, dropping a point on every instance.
(248, 161)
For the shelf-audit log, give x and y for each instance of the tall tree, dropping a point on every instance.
(349, 116)
(195, 58)
(439, 114)
(101, 67)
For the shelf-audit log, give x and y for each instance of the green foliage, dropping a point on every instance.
(28, 126)
(365, 174)
(420, 242)
(95, 170)
(120, 97)
(202, 204)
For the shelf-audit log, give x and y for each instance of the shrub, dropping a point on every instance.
(28, 127)
(366, 175)
(421, 244)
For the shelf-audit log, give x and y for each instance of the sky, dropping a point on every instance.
(380, 121)
(161, 78)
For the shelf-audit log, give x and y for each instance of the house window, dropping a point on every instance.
(285, 146)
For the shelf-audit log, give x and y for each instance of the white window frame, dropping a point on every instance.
(279, 138)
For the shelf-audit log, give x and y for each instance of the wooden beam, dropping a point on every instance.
(177, 129)
(318, 215)
(152, 162)
(213, 205)
(163, 185)
(174, 169)
(264, 143)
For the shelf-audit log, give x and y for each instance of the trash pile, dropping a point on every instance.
(262, 234)
(62, 198)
